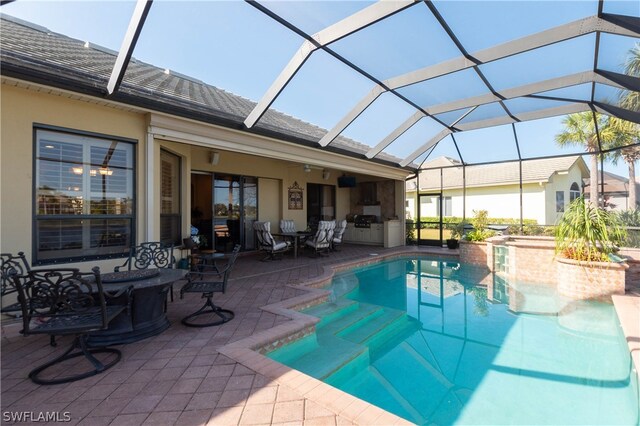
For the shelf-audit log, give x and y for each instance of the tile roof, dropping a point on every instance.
(34, 53)
(507, 173)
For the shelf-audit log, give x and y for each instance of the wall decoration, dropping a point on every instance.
(295, 197)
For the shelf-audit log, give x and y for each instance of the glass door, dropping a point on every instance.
(226, 212)
(430, 219)
(249, 210)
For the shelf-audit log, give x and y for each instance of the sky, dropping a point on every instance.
(235, 47)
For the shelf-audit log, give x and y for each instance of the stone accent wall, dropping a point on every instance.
(632, 277)
(597, 281)
(532, 260)
(474, 253)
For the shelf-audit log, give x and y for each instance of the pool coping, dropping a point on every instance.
(250, 351)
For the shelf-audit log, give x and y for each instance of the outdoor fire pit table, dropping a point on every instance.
(147, 317)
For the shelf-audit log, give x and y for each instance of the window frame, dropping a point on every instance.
(572, 192)
(35, 217)
(178, 240)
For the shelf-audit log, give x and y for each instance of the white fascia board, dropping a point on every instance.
(128, 44)
(340, 29)
(431, 142)
(534, 41)
(417, 116)
(364, 103)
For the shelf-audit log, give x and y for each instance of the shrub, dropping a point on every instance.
(480, 221)
(631, 218)
(588, 233)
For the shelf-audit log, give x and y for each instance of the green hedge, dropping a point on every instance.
(530, 226)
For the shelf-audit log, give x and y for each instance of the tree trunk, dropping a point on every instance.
(593, 185)
(632, 184)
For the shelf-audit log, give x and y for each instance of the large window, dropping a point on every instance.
(84, 198)
(574, 192)
(170, 216)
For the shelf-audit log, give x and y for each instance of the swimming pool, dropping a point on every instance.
(419, 338)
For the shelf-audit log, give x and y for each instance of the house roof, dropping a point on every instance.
(612, 183)
(33, 53)
(508, 173)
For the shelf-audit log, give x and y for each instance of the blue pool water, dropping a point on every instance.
(420, 339)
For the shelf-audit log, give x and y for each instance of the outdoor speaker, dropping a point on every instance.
(214, 158)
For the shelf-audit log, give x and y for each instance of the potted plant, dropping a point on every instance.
(586, 238)
(456, 232)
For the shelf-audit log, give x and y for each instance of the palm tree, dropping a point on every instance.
(628, 133)
(580, 130)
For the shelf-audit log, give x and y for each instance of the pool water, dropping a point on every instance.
(421, 339)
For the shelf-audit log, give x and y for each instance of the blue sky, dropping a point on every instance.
(233, 46)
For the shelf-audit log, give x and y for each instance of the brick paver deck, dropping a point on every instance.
(179, 377)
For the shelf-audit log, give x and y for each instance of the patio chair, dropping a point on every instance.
(62, 302)
(338, 233)
(19, 264)
(267, 243)
(150, 255)
(208, 279)
(321, 241)
(287, 225)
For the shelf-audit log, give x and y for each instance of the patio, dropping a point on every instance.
(178, 377)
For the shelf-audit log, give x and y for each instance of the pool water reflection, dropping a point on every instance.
(423, 339)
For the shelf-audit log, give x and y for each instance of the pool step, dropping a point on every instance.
(336, 354)
(328, 312)
(360, 333)
(355, 317)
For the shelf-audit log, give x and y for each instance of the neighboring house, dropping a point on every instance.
(616, 191)
(84, 174)
(548, 185)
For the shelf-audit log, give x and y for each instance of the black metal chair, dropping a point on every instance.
(61, 302)
(19, 264)
(150, 255)
(208, 279)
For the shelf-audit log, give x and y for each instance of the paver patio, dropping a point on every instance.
(178, 377)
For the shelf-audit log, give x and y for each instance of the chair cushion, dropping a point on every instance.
(280, 245)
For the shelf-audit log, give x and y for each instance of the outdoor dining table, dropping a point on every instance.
(148, 316)
(295, 236)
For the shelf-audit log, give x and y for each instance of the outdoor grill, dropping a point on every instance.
(364, 221)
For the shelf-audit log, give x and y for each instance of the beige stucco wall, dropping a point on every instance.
(21, 109)
(560, 182)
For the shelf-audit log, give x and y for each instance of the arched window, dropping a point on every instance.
(574, 192)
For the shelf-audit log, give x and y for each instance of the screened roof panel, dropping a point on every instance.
(489, 144)
(578, 92)
(419, 134)
(556, 60)
(387, 112)
(536, 138)
(622, 7)
(445, 148)
(313, 16)
(406, 41)
(447, 88)
(228, 57)
(614, 52)
(482, 24)
(313, 96)
(230, 61)
(608, 94)
(484, 112)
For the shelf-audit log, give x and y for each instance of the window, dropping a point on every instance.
(574, 192)
(447, 212)
(84, 199)
(170, 214)
(559, 201)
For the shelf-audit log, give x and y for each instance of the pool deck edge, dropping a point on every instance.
(628, 311)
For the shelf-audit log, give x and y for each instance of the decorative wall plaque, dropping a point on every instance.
(295, 197)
